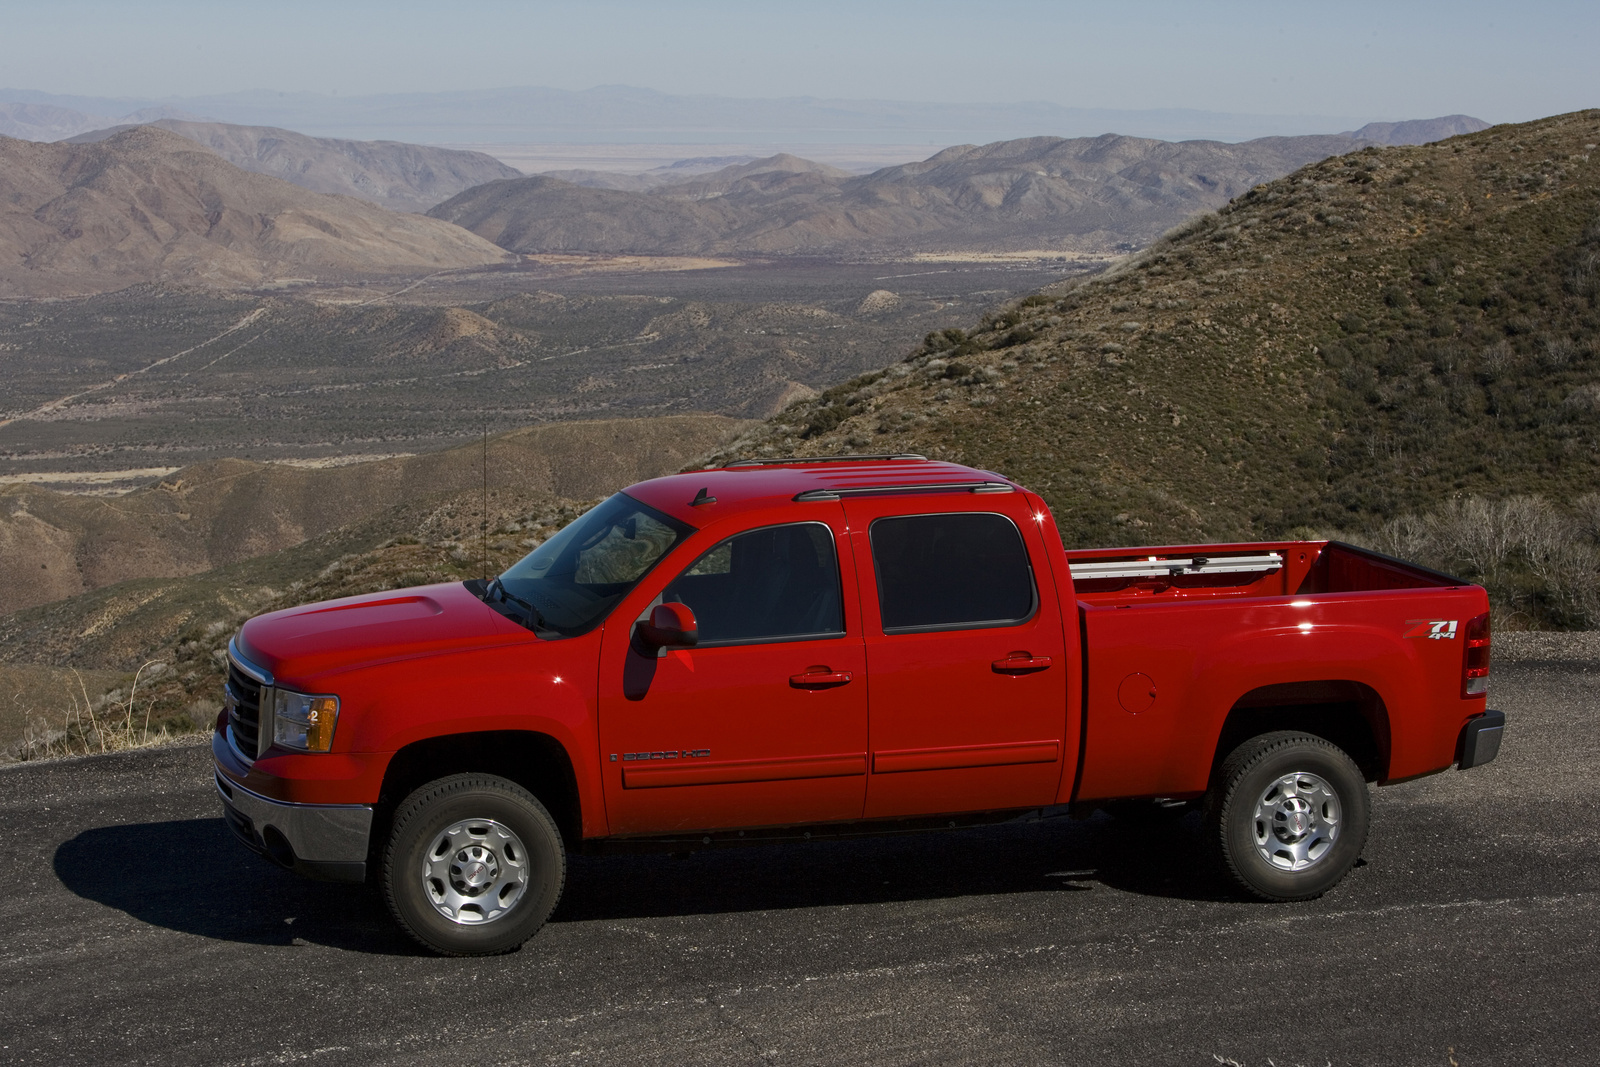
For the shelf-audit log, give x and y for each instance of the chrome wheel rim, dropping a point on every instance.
(475, 871)
(1296, 821)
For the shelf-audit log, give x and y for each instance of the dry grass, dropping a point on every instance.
(1539, 561)
(89, 724)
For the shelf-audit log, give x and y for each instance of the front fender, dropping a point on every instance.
(545, 688)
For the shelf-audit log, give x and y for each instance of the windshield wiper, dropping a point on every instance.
(496, 589)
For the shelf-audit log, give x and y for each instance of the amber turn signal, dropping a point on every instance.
(304, 722)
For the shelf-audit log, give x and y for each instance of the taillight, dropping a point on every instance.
(1475, 667)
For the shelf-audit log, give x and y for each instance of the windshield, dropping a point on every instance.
(572, 581)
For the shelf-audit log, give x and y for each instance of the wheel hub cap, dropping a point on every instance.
(1297, 820)
(475, 871)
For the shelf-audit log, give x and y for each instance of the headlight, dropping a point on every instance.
(304, 722)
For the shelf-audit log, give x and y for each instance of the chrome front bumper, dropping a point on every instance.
(327, 841)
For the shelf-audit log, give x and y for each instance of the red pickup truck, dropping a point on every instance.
(788, 647)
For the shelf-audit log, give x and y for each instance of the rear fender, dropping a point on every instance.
(1167, 747)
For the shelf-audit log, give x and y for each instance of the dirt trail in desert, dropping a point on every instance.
(61, 402)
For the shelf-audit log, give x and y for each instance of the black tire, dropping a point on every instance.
(516, 852)
(1266, 843)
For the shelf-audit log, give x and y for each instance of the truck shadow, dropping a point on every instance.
(1054, 855)
(191, 875)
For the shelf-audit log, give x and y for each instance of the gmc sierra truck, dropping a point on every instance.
(785, 647)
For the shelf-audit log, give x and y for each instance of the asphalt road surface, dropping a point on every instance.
(134, 930)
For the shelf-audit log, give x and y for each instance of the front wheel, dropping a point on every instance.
(474, 866)
(1290, 816)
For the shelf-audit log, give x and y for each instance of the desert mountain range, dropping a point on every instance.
(1084, 194)
(149, 205)
(254, 204)
(621, 113)
(402, 177)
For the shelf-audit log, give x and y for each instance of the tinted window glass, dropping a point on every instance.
(769, 584)
(951, 571)
(574, 579)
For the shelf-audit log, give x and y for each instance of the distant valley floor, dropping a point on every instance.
(155, 377)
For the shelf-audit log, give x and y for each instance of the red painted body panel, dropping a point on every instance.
(767, 742)
(1113, 687)
(372, 630)
(949, 731)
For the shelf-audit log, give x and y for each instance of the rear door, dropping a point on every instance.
(764, 722)
(966, 656)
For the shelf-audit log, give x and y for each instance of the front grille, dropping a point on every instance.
(244, 718)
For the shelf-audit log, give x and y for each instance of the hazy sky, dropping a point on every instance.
(1499, 61)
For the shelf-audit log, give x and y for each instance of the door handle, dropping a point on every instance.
(819, 678)
(1021, 663)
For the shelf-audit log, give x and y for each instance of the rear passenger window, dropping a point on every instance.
(780, 583)
(951, 572)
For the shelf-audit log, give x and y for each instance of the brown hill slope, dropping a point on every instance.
(54, 545)
(174, 631)
(1372, 335)
(148, 205)
(1085, 194)
(1418, 131)
(422, 539)
(393, 174)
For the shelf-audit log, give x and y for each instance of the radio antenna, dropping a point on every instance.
(483, 515)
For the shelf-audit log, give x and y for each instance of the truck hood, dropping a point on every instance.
(300, 644)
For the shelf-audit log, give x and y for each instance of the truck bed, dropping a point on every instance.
(1103, 577)
(1181, 641)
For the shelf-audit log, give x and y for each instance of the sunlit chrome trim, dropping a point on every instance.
(260, 674)
(264, 725)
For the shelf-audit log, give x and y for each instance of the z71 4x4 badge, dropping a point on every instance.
(1432, 629)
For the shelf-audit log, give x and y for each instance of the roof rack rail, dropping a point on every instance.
(910, 487)
(1157, 568)
(822, 459)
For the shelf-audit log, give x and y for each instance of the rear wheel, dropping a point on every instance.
(1290, 816)
(474, 865)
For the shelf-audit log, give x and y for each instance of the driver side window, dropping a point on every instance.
(778, 583)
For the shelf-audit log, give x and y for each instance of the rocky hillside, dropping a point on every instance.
(1084, 194)
(1372, 335)
(392, 174)
(149, 205)
(54, 545)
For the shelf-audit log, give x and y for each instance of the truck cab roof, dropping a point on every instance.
(698, 496)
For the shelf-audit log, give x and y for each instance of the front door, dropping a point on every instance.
(764, 722)
(966, 658)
